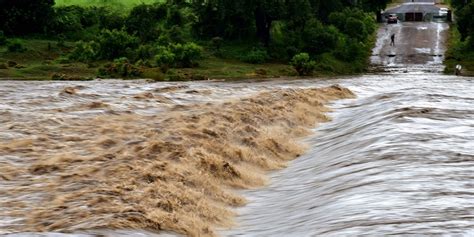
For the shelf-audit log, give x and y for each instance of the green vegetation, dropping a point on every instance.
(303, 64)
(461, 46)
(116, 4)
(459, 53)
(182, 40)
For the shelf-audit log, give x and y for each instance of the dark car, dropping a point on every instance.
(392, 19)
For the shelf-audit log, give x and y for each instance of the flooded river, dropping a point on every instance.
(89, 158)
(398, 159)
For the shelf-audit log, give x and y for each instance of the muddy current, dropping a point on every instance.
(89, 158)
(138, 155)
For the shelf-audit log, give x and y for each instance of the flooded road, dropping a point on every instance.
(89, 158)
(419, 47)
(399, 160)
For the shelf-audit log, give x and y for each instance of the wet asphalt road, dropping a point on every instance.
(416, 44)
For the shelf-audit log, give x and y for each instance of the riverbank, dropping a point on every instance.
(175, 170)
(458, 55)
(47, 60)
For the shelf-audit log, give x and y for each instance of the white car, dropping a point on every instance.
(443, 11)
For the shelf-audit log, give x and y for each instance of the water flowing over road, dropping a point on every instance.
(399, 160)
(396, 160)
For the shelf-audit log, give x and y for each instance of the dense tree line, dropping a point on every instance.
(464, 21)
(161, 33)
(21, 17)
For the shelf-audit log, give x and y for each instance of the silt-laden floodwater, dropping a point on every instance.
(398, 159)
(88, 157)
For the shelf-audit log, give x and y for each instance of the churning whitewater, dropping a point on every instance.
(135, 155)
(131, 158)
(398, 159)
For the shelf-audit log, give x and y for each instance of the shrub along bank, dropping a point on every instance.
(183, 40)
(461, 46)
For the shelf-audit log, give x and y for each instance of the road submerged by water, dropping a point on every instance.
(396, 160)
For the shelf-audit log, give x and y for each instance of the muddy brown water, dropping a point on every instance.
(396, 160)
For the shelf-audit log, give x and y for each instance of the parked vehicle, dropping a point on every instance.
(392, 19)
(443, 11)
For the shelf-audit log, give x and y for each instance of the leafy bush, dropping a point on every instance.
(179, 55)
(187, 54)
(3, 38)
(115, 44)
(143, 21)
(318, 39)
(110, 45)
(338, 19)
(354, 23)
(121, 67)
(356, 29)
(256, 56)
(350, 50)
(175, 17)
(303, 64)
(165, 57)
(85, 51)
(145, 51)
(109, 19)
(176, 34)
(15, 45)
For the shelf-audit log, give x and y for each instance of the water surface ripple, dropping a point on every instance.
(399, 160)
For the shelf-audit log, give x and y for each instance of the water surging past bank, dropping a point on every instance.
(79, 160)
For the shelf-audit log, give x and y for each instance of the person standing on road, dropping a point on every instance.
(392, 38)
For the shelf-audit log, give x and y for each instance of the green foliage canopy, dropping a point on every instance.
(22, 17)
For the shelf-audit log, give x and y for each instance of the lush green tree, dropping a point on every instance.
(458, 4)
(223, 18)
(318, 38)
(324, 8)
(373, 5)
(266, 12)
(114, 44)
(22, 17)
(354, 23)
(298, 13)
(465, 22)
(143, 21)
(66, 19)
(85, 51)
